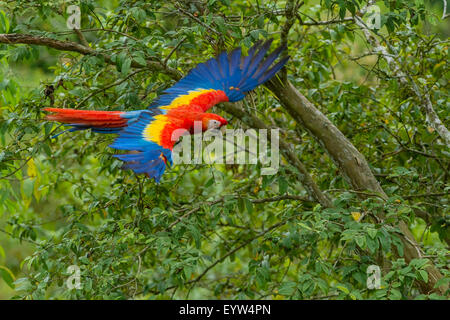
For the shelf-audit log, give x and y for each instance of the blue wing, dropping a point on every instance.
(228, 77)
(232, 73)
(146, 156)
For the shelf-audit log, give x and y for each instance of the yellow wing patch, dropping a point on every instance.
(153, 130)
(186, 99)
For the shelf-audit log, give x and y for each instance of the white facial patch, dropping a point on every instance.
(213, 124)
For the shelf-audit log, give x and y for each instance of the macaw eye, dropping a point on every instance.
(213, 124)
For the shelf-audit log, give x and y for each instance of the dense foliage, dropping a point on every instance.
(223, 231)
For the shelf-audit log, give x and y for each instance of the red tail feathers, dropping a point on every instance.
(90, 118)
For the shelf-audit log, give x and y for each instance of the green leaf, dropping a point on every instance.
(399, 245)
(22, 284)
(126, 66)
(360, 241)
(241, 205)
(423, 275)
(27, 187)
(139, 14)
(7, 276)
(220, 22)
(343, 289)
(372, 244)
(210, 182)
(372, 232)
(395, 294)
(139, 58)
(249, 206)
(4, 22)
(442, 282)
(282, 185)
(287, 288)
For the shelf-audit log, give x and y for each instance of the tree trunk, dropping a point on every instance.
(351, 163)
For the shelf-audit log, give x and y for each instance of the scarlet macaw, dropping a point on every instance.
(148, 133)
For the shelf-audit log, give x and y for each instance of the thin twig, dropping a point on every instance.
(173, 50)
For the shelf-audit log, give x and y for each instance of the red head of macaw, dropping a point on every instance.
(150, 134)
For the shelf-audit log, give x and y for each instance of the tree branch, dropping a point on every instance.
(431, 116)
(444, 12)
(326, 22)
(239, 247)
(305, 178)
(351, 163)
(81, 37)
(15, 38)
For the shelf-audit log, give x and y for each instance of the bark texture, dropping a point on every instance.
(351, 163)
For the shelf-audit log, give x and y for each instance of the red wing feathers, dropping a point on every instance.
(103, 119)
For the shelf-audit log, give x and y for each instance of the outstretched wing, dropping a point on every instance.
(224, 78)
(146, 155)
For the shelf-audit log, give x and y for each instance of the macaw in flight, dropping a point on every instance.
(148, 133)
